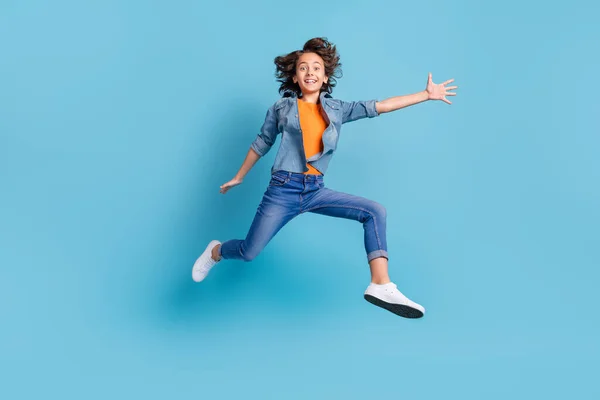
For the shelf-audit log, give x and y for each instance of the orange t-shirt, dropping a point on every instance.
(313, 125)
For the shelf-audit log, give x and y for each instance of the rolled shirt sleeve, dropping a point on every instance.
(268, 133)
(354, 110)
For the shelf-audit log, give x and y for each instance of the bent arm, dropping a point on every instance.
(251, 159)
(262, 144)
(265, 139)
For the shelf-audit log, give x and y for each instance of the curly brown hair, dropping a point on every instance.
(286, 66)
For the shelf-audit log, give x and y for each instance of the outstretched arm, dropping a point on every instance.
(432, 92)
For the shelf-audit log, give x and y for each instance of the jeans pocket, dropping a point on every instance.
(277, 180)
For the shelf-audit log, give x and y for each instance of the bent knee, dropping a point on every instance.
(379, 210)
(248, 256)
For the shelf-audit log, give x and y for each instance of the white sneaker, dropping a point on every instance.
(204, 263)
(389, 297)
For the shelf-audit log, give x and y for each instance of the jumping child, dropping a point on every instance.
(309, 120)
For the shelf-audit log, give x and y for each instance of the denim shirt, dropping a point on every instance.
(282, 117)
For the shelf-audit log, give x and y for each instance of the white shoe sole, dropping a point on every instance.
(405, 308)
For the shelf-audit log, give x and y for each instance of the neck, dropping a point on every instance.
(311, 97)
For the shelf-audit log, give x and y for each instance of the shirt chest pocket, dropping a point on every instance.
(334, 112)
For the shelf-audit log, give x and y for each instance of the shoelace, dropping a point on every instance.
(207, 266)
(392, 288)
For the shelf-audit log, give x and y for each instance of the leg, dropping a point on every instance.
(272, 214)
(370, 213)
(381, 292)
(379, 270)
(274, 211)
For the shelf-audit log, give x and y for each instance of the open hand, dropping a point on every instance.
(226, 186)
(439, 91)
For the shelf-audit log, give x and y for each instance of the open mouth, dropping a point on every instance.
(310, 81)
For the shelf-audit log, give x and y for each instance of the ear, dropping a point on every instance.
(326, 79)
(295, 79)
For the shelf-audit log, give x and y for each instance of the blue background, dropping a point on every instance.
(120, 120)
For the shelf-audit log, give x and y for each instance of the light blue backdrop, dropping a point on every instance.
(120, 120)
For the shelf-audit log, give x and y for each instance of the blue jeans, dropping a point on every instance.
(290, 194)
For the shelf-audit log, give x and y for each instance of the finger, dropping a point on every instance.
(450, 94)
(447, 101)
(429, 77)
(448, 81)
(451, 87)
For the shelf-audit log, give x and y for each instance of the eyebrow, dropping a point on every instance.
(314, 62)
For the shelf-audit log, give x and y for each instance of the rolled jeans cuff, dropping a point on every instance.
(376, 254)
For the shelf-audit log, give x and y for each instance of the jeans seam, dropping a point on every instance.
(354, 208)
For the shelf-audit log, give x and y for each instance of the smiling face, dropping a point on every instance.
(310, 73)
